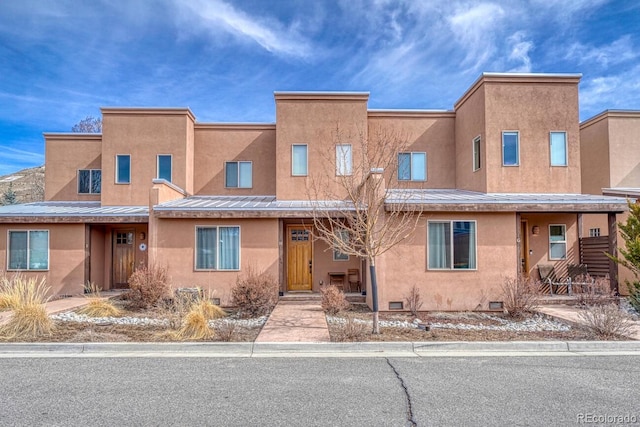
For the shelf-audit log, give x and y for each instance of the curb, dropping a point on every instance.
(293, 349)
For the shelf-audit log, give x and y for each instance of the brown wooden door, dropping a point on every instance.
(299, 258)
(524, 248)
(123, 257)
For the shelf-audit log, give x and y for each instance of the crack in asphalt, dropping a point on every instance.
(412, 421)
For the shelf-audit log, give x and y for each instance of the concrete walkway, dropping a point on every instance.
(571, 315)
(295, 321)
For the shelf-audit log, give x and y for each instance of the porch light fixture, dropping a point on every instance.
(143, 235)
(535, 230)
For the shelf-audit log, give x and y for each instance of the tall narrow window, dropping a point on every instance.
(558, 148)
(343, 159)
(299, 160)
(452, 245)
(412, 166)
(123, 169)
(164, 167)
(510, 148)
(238, 175)
(89, 181)
(476, 154)
(557, 241)
(217, 248)
(29, 250)
(343, 235)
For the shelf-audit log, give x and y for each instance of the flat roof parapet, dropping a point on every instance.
(321, 96)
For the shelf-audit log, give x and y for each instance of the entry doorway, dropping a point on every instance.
(299, 258)
(524, 248)
(123, 257)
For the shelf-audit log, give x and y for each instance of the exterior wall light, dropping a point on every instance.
(535, 230)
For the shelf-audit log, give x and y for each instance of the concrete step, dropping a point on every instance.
(557, 299)
(356, 298)
(301, 296)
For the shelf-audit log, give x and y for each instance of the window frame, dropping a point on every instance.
(476, 153)
(237, 162)
(337, 255)
(91, 192)
(594, 232)
(452, 246)
(344, 162)
(564, 227)
(170, 167)
(28, 249)
(411, 174)
(306, 166)
(517, 132)
(128, 182)
(217, 260)
(566, 147)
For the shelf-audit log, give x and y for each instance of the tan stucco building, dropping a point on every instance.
(498, 181)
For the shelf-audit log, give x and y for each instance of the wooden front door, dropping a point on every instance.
(299, 258)
(524, 248)
(123, 257)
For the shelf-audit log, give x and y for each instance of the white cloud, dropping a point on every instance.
(519, 52)
(614, 91)
(619, 51)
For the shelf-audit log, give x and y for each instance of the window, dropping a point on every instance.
(558, 141)
(412, 166)
(343, 159)
(123, 169)
(476, 154)
(217, 248)
(164, 167)
(510, 149)
(558, 241)
(452, 245)
(238, 175)
(89, 181)
(29, 250)
(337, 255)
(594, 232)
(299, 160)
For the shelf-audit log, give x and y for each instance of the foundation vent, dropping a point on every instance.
(496, 305)
(396, 305)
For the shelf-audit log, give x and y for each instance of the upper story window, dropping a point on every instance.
(89, 181)
(451, 245)
(557, 241)
(344, 161)
(164, 167)
(510, 148)
(123, 169)
(238, 175)
(412, 166)
(558, 148)
(299, 160)
(476, 153)
(29, 250)
(594, 232)
(218, 248)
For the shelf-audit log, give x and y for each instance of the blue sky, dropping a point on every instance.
(62, 60)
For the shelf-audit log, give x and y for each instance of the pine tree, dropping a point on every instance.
(9, 197)
(630, 232)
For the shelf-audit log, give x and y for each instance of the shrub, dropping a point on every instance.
(606, 321)
(208, 309)
(147, 285)
(414, 300)
(592, 292)
(255, 294)
(352, 330)
(97, 306)
(333, 300)
(8, 298)
(195, 326)
(634, 295)
(520, 295)
(29, 319)
(225, 331)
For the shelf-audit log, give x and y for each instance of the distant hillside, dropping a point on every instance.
(28, 184)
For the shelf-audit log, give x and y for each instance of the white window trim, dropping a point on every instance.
(217, 227)
(558, 241)
(307, 159)
(473, 153)
(90, 193)
(158, 166)
(566, 148)
(594, 232)
(238, 162)
(348, 166)
(116, 169)
(28, 253)
(336, 251)
(426, 170)
(450, 222)
(518, 148)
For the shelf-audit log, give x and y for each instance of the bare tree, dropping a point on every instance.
(354, 211)
(89, 124)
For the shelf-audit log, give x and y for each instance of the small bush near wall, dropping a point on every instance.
(27, 299)
(333, 300)
(606, 321)
(148, 285)
(590, 292)
(414, 300)
(520, 295)
(255, 293)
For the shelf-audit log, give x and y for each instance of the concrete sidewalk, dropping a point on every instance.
(571, 315)
(295, 321)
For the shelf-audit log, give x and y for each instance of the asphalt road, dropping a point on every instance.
(444, 391)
